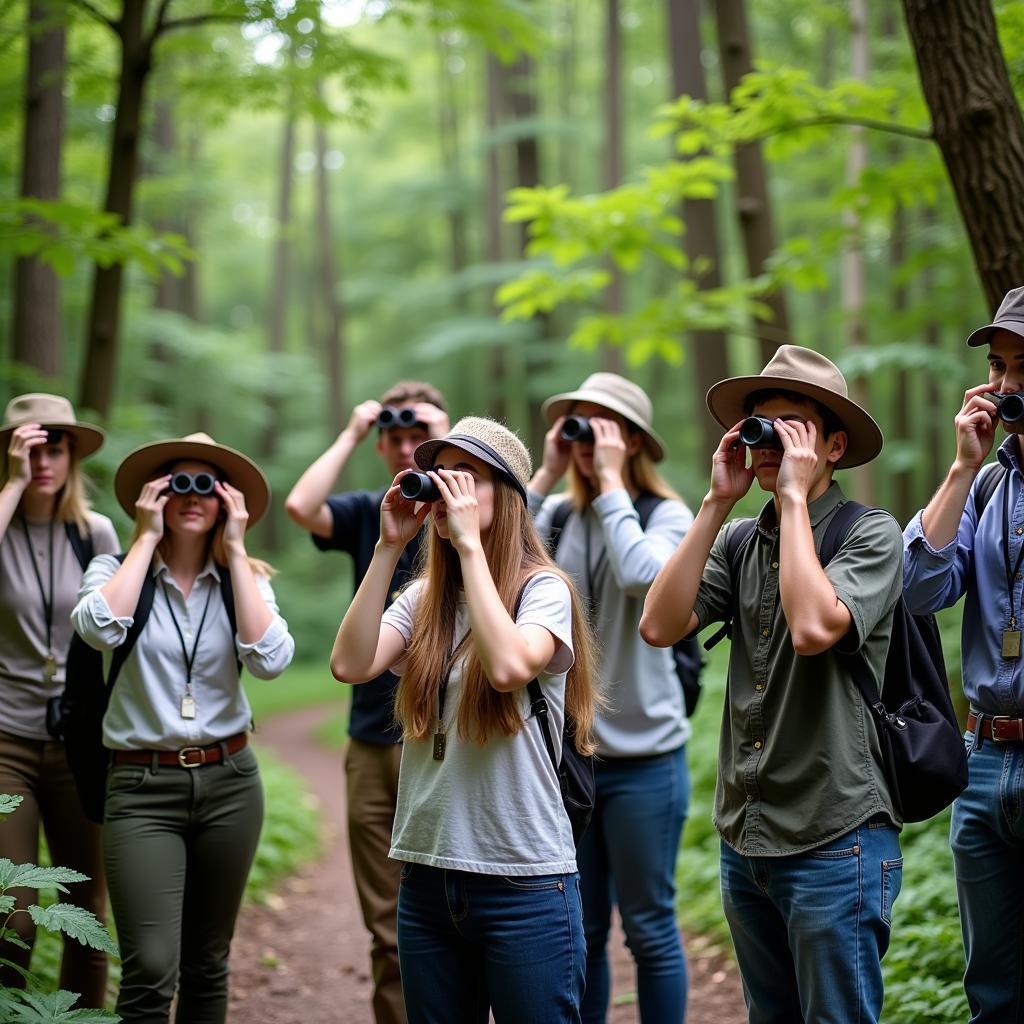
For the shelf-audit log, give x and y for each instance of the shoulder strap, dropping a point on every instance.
(141, 617)
(839, 529)
(645, 505)
(988, 480)
(538, 702)
(81, 544)
(227, 593)
(563, 510)
(739, 537)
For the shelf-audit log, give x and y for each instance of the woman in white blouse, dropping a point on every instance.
(488, 911)
(184, 801)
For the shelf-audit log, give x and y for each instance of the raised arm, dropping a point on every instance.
(19, 468)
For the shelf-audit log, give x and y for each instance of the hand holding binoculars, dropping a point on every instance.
(419, 487)
(389, 416)
(1009, 408)
(577, 429)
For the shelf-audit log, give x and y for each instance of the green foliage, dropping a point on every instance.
(9, 804)
(48, 1008)
(77, 923)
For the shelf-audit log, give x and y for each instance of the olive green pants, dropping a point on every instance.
(179, 843)
(38, 771)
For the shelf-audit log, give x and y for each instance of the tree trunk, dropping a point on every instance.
(36, 287)
(451, 165)
(903, 482)
(493, 223)
(614, 302)
(710, 358)
(99, 371)
(753, 203)
(567, 145)
(979, 129)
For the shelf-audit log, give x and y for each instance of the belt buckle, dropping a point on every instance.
(994, 720)
(188, 750)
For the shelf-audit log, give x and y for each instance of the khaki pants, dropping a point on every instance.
(38, 771)
(371, 772)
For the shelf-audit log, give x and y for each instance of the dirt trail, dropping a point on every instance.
(303, 958)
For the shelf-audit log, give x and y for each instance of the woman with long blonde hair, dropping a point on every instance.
(184, 802)
(488, 911)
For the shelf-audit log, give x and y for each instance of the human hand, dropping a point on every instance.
(434, 419)
(731, 477)
(363, 417)
(149, 507)
(610, 452)
(975, 427)
(400, 520)
(799, 458)
(236, 515)
(19, 452)
(458, 492)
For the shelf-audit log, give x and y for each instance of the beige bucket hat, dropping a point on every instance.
(615, 393)
(54, 412)
(809, 373)
(143, 464)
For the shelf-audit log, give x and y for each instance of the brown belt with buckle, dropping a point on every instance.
(998, 727)
(187, 757)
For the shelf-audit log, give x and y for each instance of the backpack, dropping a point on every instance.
(79, 710)
(575, 771)
(686, 654)
(989, 479)
(922, 745)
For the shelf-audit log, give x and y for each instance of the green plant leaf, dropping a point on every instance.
(51, 1008)
(9, 804)
(77, 922)
(30, 876)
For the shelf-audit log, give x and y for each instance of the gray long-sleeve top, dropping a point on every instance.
(646, 714)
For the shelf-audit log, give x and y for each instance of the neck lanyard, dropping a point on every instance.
(188, 704)
(590, 571)
(440, 736)
(1012, 633)
(50, 664)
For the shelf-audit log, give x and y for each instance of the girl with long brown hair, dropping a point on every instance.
(488, 912)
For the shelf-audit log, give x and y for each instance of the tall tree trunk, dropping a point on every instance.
(99, 371)
(753, 203)
(613, 154)
(903, 483)
(36, 287)
(979, 128)
(493, 223)
(710, 358)
(333, 313)
(567, 144)
(451, 164)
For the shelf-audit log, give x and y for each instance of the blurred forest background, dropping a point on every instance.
(246, 216)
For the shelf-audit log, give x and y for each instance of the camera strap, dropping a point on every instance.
(1012, 633)
(440, 734)
(50, 664)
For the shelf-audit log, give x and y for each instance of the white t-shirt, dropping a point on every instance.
(494, 809)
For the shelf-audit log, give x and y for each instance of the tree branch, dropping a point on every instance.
(97, 15)
(195, 20)
(859, 122)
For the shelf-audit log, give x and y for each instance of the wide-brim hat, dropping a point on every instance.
(616, 393)
(144, 464)
(489, 441)
(808, 373)
(53, 412)
(1009, 317)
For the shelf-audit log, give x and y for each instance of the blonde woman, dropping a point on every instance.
(47, 534)
(612, 531)
(488, 911)
(184, 801)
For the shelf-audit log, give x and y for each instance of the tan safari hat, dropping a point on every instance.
(145, 463)
(54, 412)
(808, 373)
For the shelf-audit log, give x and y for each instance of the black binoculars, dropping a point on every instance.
(389, 416)
(419, 487)
(577, 428)
(54, 435)
(759, 432)
(1009, 408)
(200, 483)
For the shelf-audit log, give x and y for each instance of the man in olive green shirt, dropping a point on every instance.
(811, 861)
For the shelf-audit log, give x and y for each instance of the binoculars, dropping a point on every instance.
(759, 432)
(419, 487)
(1009, 408)
(577, 428)
(389, 416)
(54, 435)
(200, 483)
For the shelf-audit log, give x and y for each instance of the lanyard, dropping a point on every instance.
(189, 659)
(47, 601)
(1011, 574)
(590, 571)
(440, 736)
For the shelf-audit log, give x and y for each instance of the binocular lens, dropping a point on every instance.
(54, 436)
(419, 487)
(392, 417)
(185, 483)
(759, 432)
(1011, 408)
(577, 429)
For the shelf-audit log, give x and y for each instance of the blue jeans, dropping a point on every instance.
(628, 855)
(810, 930)
(987, 837)
(468, 942)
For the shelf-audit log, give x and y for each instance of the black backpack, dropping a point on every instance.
(77, 714)
(921, 740)
(686, 652)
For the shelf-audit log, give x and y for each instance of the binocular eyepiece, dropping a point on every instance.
(389, 416)
(202, 484)
(577, 428)
(759, 432)
(1009, 408)
(419, 487)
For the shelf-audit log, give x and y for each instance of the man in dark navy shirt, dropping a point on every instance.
(351, 522)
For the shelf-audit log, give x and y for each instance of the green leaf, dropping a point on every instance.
(6, 905)
(76, 922)
(9, 804)
(53, 1008)
(31, 876)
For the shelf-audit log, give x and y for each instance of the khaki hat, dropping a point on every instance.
(808, 373)
(491, 442)
(615, 393)
(145, 463)
(1009, 317)
(54, 412)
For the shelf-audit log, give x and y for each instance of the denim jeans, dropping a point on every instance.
(810, 930)
(628, 856)
(987, 837)
(468, 942)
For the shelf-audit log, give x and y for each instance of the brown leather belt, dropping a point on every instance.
(998, 727)
(187, 757)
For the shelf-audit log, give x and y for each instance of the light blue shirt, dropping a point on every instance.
(973, 564)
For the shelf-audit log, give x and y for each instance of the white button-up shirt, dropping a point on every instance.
(145, 704)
